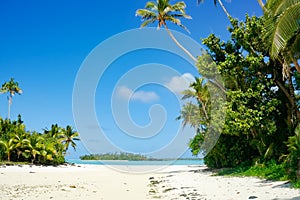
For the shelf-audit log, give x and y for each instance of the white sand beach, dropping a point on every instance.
(91, 182)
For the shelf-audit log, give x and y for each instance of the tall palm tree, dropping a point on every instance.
(283, 30)
(162, 11)
(69, 137)
(11, 88)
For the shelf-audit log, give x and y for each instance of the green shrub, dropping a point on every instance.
(270, 170)
(230, 151)
(293, 158)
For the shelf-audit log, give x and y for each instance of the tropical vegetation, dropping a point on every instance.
(20, 145)
(259, 66)
(48, 148)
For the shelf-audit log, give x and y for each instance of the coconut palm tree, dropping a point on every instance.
(21, 140)
(55, 131)
(50, 149)
(162, 12)
(196, 114)
(190, 114)
(199, 90)
(11, 88)
(34, 146)
(283, 31)
(221, 4)
(9, 147)
(69, 137)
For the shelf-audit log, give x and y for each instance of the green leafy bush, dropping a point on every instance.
(293, 158)
(230, 151)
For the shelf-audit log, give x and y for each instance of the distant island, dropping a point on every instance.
(127, 156)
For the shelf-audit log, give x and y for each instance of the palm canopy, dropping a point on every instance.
(69, 137)
(11, 87)
(162, 11)
(283, 26)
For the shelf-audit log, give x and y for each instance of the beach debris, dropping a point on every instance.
(72, 186)
(253, 197)
(154, 182)
(152, 192)
(169, 189)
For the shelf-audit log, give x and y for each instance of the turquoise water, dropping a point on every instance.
(124, 162)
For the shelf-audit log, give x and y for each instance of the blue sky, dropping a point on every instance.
(43, 46)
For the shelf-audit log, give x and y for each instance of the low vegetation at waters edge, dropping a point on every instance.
(19, 146)
(269, 170)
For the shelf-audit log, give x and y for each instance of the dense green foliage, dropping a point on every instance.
(262, 107)
(269, 170)
(19, 145)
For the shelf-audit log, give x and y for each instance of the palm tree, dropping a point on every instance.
(9, 146)
(190, 114)
(69, 137)
(200, 92)
(221, 4)
(34, 146)
(162, 11)
(283, 31)
(11, 88)
(55, 131)
(50, 149)
(21, 140)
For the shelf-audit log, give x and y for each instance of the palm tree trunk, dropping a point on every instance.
(9, 104)
(178, 44)
(224, 9)
(190, 55)
(262, 5)
(8, 156)
(296, 65)
(217, 84)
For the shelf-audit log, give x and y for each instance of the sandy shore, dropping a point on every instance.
(93, 182)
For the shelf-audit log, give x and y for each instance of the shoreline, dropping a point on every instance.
(92, 182)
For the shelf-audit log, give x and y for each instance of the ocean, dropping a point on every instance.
(136, 163)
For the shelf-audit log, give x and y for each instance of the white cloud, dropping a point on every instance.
(180, 83)
(143, 96)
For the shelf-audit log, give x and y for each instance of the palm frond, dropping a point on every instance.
(287, 25)
(145, 14)
(282, 25)
(152, 5)
(147, 22)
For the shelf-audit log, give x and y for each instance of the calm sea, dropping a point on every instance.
(122, 162)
